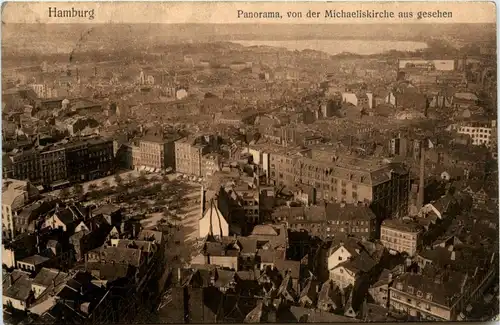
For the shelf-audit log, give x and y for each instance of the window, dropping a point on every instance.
(340, 258)
(410, 289)
(399, 286)
(428, 296)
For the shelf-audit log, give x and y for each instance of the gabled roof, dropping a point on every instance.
(328, 291)
(17, 285)
(342, 211)
(47, 277)
(361, 263)
(224, 278)
(383, 278)
(310, 290)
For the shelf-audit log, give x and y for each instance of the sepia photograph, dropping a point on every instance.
(249, 162)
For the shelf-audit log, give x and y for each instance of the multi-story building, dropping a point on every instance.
(124, 157)
(25, 165)
(15, 194)
(53, 166)
(401, 235)
(157, 151)
(481, 133)
(240, 199)
(210, 163)
(328, 221)
(56, 164)
(136, 155)
(282, 164)
(442, 293)
(89, 159)
(188, 155)
(384, 186)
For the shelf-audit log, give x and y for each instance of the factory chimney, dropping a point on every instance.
(421, 185)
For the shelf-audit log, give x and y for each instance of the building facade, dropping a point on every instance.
(385, 186)
(53, 166)
(89, 159)
(188, 156)
(401, 236)
(157, 152)
(15, 194)
(480, 133)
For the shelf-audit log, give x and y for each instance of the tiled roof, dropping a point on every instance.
(408, 226)
(34, 260)
(47, 277)
(17, 286)
(342, 211)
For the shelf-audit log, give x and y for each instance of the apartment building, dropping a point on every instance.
(157, 151)
(326, 222)
(441, 294)
(15, 194)
(384, 186)
(57, 164)
(89, 159)
(188, 155)
(24, 164)
(210, 164)
(401, 236)
(53, 165)
(480, 133)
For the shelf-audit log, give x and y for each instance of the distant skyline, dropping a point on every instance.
(227, 12)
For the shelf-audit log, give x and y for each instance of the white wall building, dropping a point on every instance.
(15, 194)
(481, 134)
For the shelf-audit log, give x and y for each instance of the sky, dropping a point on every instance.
(227, 12)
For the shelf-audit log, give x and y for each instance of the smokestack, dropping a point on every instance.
(421, 185)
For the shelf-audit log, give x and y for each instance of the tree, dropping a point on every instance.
(65, 193)
(142, 180)
(105, 184)
(130, 178)
(78, 190)
(118, 179)
(176, 219)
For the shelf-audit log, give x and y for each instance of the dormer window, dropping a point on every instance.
(410, 289)
(419, 294)
(428, 296)
(399, 286)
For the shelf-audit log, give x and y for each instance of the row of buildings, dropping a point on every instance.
(58, 164)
